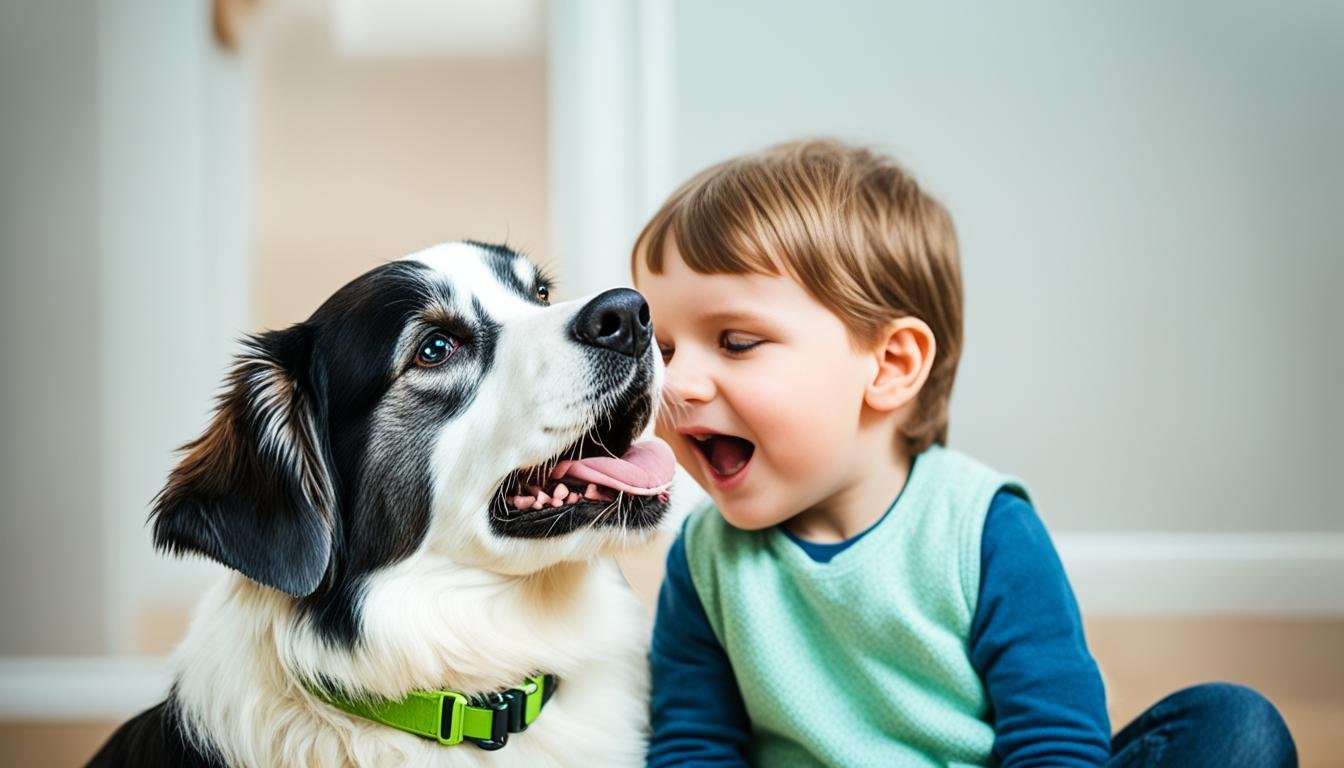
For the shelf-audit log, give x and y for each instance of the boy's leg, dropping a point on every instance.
(1212, 724)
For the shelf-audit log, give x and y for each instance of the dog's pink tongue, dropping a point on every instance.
(645, 470)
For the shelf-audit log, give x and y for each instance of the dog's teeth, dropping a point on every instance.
(543, 498)
(561, 491)
(558, 501)
(523, 502)
(591, 492)
(573, 498)
(537, 505)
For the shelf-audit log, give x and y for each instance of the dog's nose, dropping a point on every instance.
(617, 320)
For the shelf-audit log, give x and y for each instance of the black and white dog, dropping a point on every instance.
(415, 487)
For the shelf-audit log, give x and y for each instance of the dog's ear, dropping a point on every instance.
(256, 492)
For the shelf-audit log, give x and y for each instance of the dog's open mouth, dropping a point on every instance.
(594, 482)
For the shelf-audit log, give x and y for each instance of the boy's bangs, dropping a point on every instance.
(723, 239)
(715, 231)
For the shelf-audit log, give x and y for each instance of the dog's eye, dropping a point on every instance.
(435, 350)
(543, 294)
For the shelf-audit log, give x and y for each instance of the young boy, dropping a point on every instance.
(860, 594)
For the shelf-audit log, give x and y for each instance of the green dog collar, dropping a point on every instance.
(450, 717)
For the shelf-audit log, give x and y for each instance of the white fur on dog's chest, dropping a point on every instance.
(590, 631)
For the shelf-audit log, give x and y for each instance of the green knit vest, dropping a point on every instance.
(863, 660)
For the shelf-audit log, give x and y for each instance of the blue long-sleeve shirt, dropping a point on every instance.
(1046, 699)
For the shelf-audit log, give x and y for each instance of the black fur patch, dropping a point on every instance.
(487, 331)
(501, 260)
(253, 492)
(154, 739)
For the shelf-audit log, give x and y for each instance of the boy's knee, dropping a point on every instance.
(1246, 725)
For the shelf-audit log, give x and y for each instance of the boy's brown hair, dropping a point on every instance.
(850, 225)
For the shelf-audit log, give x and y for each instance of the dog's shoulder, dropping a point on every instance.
(151, 739)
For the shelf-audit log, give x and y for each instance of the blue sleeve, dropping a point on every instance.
(696, 709)
(1047, 700)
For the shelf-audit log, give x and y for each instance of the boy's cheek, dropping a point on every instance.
(663, 428)
(664, 431)
(682, 452)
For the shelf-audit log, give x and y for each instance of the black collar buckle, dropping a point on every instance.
(508, 711)
(499, 721)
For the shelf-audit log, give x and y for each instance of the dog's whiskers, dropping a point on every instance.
(673, 412)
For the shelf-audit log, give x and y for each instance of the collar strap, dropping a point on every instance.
(450, 717)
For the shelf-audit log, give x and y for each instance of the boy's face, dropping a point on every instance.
(764, 393)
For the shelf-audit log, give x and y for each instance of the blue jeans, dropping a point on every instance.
(1212, 724)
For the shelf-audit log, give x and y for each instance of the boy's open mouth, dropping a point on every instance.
(725, 454)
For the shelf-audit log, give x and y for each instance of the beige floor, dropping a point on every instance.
(1297, 664)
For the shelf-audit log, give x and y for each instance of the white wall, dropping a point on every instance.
(123, 234)
(1149, 200)
(51, 555)
(174, 163)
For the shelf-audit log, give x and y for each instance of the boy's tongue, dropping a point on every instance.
(645, 470)
(728, 454)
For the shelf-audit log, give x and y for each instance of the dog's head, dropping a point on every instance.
(436, 404)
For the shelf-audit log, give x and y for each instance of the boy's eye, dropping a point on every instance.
(732, 341)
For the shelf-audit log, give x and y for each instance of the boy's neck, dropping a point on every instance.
(881, 471)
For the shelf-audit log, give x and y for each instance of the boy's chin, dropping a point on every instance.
(738, 507)
(748, 516)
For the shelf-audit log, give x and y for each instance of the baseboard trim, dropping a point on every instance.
(80, 688)
(1203, 574)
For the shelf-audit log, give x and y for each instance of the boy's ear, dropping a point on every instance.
(255, 491)
(904, 356)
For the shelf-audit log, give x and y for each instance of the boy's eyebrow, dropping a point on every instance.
(725, 315)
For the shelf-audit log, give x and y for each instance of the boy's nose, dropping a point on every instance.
(617, 320)
(683, 382)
